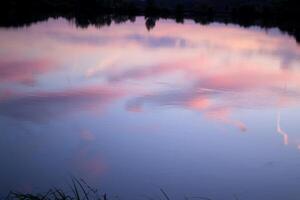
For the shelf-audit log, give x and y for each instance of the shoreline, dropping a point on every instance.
(83, 20)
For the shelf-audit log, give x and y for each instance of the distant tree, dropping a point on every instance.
(132, 9)
(151, 8)
(179, 13)
(150, 23)
(86, 5)
(204, 10)
(287, 9)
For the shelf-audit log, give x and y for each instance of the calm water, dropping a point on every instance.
(199, 110)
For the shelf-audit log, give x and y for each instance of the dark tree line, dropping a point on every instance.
(270, 13)
(280, 8)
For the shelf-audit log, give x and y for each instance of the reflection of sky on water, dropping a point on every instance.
(120, 104)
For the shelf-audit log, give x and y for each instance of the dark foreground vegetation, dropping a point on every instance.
(80, 190)
(265, 13)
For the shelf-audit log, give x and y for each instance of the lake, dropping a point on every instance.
(198, 110)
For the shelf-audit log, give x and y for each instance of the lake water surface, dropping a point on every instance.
(198, 110)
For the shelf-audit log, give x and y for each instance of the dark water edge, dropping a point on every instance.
(282, 14)
(84, 21)
(80, 190)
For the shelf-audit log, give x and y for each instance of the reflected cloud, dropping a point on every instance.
(140, 73)
(25, 71)
(77, 39)
(280, 131)
(42, 106)
(215, 69)
(93, 39)
(87, 135)
(223, 115)
(203, 101)
(158, 42)
(87, 159)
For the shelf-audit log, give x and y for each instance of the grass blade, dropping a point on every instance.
(165, 194)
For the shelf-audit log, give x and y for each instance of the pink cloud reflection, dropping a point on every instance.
(24, 71)
(86, 159)
(43, 106)
(215, 69)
